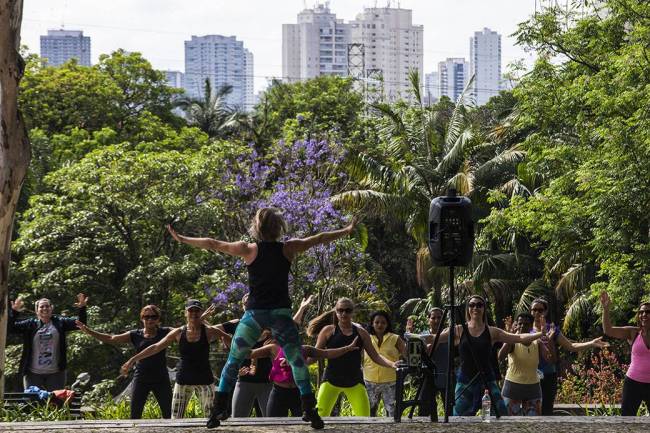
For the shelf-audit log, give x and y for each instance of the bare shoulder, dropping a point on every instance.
(327, 330)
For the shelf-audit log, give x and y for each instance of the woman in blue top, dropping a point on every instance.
(268, 261)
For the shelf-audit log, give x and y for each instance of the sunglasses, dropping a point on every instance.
(149, 317)
(642, 312)
(344, 310)
(537, 310)
(476, 305)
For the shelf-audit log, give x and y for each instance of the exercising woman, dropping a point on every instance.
(521, 392)
(193, 373)
(636, 387)
(474, 341)
(285, 396)
(44, 358)
(150, 373)
(344, 375)
(548, 367)
(268, 261)
(380, 381)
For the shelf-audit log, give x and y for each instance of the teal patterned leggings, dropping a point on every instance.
(248, 331)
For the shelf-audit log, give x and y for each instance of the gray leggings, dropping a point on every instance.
(244, 397)
(48, 382)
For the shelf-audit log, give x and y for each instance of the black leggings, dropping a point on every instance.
(549, 390)
(283, 400)
(633, 394)
(161, 390)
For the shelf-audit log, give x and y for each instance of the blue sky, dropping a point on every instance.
(157, 28)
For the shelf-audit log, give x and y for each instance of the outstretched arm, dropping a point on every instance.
(315, 353)
(621, 332)
(150, 351)
(506, 337)
(294, 247)
(239, 249)
(104, 338)
(370, 350)
(573, 346)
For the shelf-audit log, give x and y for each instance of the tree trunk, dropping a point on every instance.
(14, 149)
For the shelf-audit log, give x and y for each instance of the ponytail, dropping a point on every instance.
(321, 321)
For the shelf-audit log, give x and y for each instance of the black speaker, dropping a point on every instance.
(451, 230)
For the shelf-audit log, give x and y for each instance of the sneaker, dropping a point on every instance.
(219, 410)
(310, 412)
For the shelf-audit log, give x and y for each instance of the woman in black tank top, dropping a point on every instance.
(474, 341)
(193, 375)
(151, 373)
(335, 328)
(268, 261)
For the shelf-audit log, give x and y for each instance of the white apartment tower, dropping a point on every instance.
(222, 59)
(431, 88)
(174, 78)
(59, 46)
(393, 47)
(316, 45)
(454, 75)
(249, 73)
(485, 65)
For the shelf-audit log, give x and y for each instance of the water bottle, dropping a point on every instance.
(485, 406)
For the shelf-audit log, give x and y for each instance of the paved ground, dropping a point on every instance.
(344, 425)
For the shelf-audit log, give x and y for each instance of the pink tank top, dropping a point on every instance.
(282, 373)
(639, 369)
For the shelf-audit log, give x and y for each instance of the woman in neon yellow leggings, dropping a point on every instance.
(343, 375)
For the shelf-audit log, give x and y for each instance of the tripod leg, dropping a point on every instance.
(399, 394)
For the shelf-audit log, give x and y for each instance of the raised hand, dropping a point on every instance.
(210, 311)
(353, 223)
(18, 305)
(306, 301)
(82, 300)
(82, 327)
(172, 232)
(507, 324)
(604, 299)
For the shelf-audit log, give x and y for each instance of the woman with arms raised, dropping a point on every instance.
(150, 373)
(193, 372)
(636, 387)
(268, 260)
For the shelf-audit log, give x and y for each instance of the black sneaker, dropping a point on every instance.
(219, 410)
(310, 412)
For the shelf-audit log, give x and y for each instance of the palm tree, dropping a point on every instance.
(428, 150)
(210, 113)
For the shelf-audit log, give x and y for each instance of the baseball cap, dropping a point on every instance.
(193, 303)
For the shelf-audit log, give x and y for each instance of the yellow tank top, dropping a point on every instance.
(522, 364)
(373, 372)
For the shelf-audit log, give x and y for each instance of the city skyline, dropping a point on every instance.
(145, 26)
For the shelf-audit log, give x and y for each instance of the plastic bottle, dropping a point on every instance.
(485, 406)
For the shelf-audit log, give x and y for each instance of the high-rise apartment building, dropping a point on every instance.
(393, 47)
(174, 78)
(223, 60)
(249, 72)
(485, 64)
(454, 75)
(316, 45)
(59, 46)
(431, 88)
